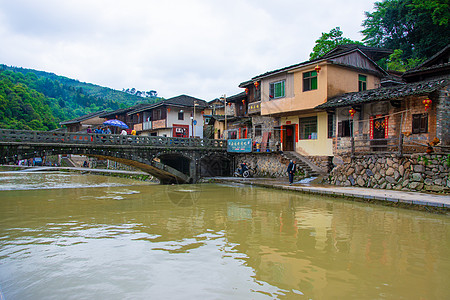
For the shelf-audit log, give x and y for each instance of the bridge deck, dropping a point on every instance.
(45, 137)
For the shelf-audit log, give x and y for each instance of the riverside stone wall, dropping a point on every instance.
(268, 164)
(416, 172)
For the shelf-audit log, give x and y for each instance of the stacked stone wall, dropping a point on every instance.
(268, 164)
(416, 172)
(323, 162)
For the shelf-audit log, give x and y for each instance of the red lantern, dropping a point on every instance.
(168, 110)
(352, 112)
(246, 90)
(243, 101)
(427, 102)
(229, 103)
(256, 84)
(317, 68)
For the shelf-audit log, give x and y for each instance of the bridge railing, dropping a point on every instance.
(29, 136)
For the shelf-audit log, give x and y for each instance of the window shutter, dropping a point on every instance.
(424, 123)
(340, 129)
(415, 123)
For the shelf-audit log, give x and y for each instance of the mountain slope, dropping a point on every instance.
(31, 99)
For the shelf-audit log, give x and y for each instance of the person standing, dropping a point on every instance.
(291, 171)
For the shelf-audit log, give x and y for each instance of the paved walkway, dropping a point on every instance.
(441, 202)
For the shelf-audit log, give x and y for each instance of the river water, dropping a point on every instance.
(71, 236)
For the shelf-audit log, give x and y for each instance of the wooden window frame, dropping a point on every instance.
(419, 123)
(362, 83)
(277, 89)
(310, 81)
(306, 128)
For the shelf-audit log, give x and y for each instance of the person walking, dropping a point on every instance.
(291, 171)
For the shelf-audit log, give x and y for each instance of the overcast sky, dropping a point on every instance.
(196, 47)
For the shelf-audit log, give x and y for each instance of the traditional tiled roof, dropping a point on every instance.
(237, 97)
(369, 52)
(182, 101)
(121, 110)
(386, 93)
(83, 118)
(438, 63)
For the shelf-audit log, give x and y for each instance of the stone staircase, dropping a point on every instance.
(310, 169)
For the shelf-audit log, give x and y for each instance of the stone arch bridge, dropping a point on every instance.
(171, 160)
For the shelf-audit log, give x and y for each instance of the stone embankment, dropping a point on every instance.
(416, 172)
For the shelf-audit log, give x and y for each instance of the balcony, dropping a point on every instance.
(142, 126)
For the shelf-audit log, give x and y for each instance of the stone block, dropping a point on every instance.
(391, 179)
(350, 171)
(351, 180)
(369, 172)
(433, 188)
(428, 181)
(390, 171)
(438, 181)
(417, 177)
(360, 181)
(419, 168)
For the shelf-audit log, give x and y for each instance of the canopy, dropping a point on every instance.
(116, 123)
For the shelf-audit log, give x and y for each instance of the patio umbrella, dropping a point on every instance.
(116, 123)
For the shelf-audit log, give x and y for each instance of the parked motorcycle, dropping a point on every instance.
(244, 171)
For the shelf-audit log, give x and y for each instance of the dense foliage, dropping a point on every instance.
(31, 99)
(419, 28)
(329, 41)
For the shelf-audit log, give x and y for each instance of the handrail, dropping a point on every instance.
(47, 137)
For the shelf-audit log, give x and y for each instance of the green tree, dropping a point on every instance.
(419, 28)
(329, 41)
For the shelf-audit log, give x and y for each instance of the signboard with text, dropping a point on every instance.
(240, 145)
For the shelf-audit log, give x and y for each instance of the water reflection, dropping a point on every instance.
(220, 242)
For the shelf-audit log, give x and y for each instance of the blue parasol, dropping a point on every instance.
(116, 123)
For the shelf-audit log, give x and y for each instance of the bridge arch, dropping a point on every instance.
(215, 164)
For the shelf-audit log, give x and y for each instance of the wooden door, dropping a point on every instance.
(289, 138)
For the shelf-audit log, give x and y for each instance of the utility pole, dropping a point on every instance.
(224, 97)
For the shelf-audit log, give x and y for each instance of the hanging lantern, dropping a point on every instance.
(243, 101)
(256, 84)
(317, 68)
(427, 102)
(352, 112)
(203, 112)
(246, 90)
(229, 103)
(168, 110)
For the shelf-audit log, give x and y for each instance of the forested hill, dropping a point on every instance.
(37, 100)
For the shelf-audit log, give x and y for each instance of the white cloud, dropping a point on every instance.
(197, 47)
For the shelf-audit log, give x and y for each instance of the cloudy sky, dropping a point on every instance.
(202, 48)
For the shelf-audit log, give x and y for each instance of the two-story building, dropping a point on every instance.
(290, 94)
(180, 116)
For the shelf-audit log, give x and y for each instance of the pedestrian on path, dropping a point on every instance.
(291, 171)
